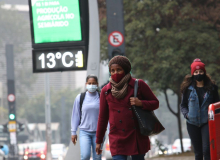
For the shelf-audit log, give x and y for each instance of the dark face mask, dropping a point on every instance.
(199, 77)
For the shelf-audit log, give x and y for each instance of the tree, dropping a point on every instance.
(103, 30)
(15, 30)
(163, 37)
(34, 110)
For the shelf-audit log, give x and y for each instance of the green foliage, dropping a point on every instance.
(34, 109)
(163, 38)
(14, 29)
(3, 113)
(104, 39)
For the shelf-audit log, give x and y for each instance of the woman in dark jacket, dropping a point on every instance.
(116, 101)
(198, 92)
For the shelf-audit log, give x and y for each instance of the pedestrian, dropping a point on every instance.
(198, 92)
(5, 149)
(116, 101)
(85, 116)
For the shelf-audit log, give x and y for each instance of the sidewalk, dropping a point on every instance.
(184, 156)
(173, 158)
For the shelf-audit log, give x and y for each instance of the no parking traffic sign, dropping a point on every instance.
(11, 97)
(116, 38)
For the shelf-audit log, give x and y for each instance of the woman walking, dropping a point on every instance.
(116, 101)
(85, 116)
(198, 92)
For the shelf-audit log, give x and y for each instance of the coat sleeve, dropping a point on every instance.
(184, 104)
(103, 118)
(150, 101)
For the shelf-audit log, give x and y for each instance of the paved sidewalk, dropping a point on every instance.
(184, 156)
(173, 158)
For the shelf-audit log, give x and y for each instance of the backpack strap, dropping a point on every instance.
(82, 97)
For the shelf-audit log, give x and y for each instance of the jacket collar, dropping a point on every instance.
(130, 83)
(191, 87)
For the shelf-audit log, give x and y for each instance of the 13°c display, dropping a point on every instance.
(59, 60)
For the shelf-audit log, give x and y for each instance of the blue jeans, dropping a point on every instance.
(87, 140)
(200, 140)
(134, 157)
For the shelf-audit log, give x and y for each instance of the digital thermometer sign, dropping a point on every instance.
(60, 33)
(63, 59)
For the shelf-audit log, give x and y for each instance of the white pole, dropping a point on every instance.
(47, 116)
(1, 103)
(93, 63)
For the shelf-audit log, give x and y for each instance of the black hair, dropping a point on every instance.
(92, 76)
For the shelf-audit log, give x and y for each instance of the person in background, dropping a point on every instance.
(116, 101)
(5, 149)
(198, 92)
(85, 117)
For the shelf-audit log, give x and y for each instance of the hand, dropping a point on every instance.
(98, 149)
(74, 139)
(135, 102)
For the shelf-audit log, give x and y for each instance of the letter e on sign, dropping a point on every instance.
(116, 38)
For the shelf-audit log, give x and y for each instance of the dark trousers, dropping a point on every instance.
(134, 157)
(200, 140)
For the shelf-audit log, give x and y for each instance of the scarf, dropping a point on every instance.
(119, 90)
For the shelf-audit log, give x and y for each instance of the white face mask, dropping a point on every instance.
(91, 88)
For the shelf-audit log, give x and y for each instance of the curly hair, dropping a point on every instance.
(189, 80)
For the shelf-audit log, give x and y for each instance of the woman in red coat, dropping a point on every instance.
(116, 102)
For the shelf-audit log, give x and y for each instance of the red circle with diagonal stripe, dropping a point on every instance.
(116, 38)
(11, 97)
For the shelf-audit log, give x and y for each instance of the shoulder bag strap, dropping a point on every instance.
(135, 88)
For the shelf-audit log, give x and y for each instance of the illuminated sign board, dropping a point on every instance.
(59, 31)
(56, 20)
(63, 59)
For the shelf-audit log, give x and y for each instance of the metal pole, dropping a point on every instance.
(115, 28)
(11, 101)
(47, 116)
(1, 103)
(63, 120)
(93, 63)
